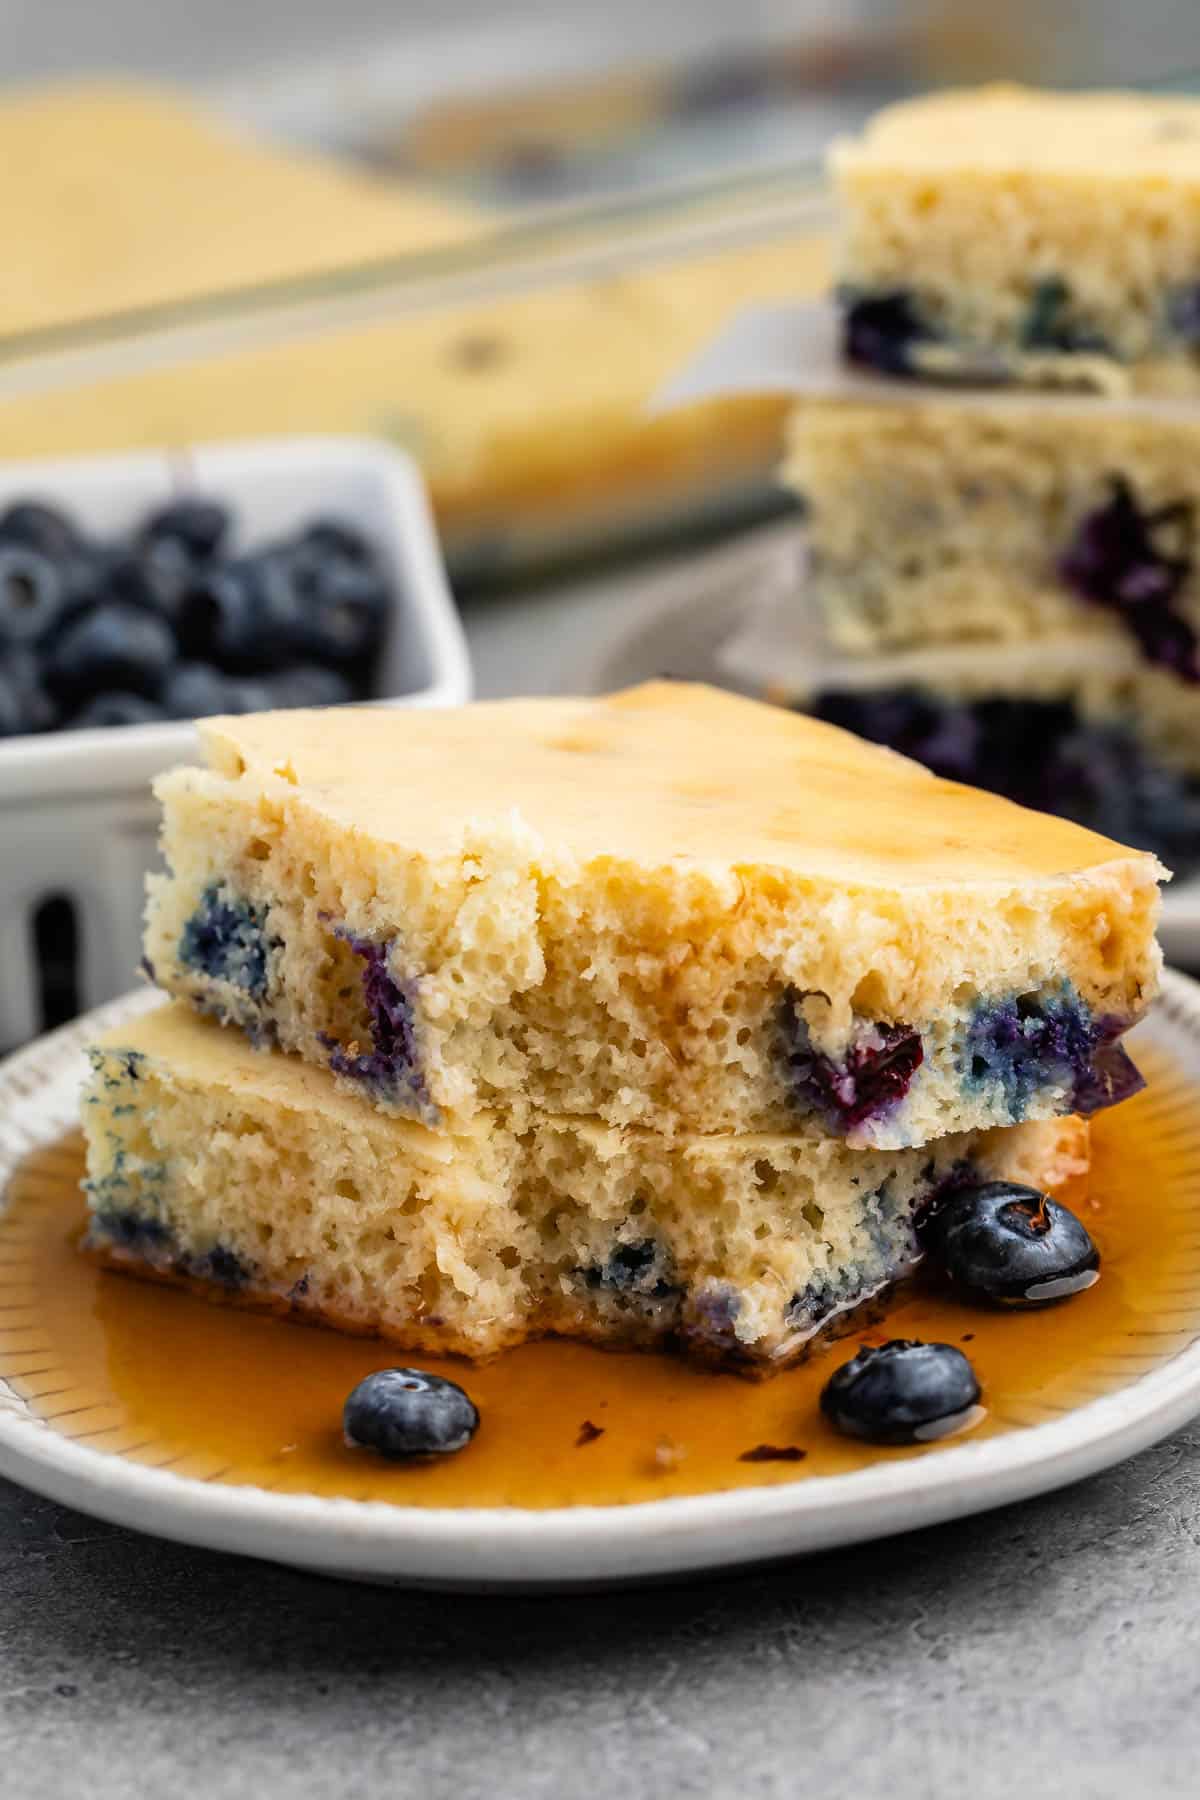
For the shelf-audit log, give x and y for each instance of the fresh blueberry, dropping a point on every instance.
(247, 616)
(12, 704)
(32, 595)
(307, 685)
(191, 524)
(1010, 1244)
(343, 605)
(337, 538)
(221, 619)
(92, 575)
(197, 691)
(115, 708)
(115, 572)
(404, 1413)
(40, 527)
(903, 1392)
(109, 647)
(166, 574)
(24, 703)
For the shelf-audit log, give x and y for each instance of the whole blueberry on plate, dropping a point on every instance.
(32, 595)
(107, 648)
(40, 527)
(1010, 1244)
(404, 1413)
(902, 1392)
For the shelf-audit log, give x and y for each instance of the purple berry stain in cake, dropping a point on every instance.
(226, 939)
(1136, 562)
(150, 1240)
(866, 1083)
(390, 1066)
(893, 1251)
(220, 1265)
(141, 1234)
(880, 331)
(1183, 313)
(1026, 1042)
(1052, 322)
(641, 1268)
(1111, 1075)
(710, 1317)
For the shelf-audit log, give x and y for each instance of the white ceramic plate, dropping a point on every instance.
(693, 620)
(374, 1541)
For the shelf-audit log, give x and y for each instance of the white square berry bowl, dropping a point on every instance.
(77, 821)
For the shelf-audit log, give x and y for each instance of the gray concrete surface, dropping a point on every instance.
(1052, 1649)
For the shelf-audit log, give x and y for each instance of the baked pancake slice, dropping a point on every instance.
(1025, 234)
(671, 907)
(963, 520)
(252, 1176)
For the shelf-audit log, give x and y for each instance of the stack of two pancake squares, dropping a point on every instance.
(1008, 577)
(652, 1019)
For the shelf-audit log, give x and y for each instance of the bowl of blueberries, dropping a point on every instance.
(140, 592)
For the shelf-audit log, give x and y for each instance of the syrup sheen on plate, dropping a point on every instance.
(226, 1395)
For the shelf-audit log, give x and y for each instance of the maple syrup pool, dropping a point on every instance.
(224, 1395)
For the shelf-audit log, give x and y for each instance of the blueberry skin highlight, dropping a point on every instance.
(114, 646)
(404, 1413)
(1011, 1245)
(197, 526)
(116, 708)
(39, 527)
(903, 1392)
